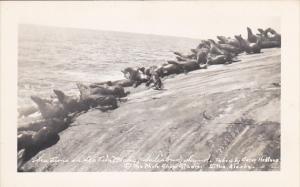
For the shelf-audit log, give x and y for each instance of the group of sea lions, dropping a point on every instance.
(208, 52)
(58, 113)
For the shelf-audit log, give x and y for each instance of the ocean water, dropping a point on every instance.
(56, 58)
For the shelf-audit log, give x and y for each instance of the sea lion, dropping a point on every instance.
(168, 69)
(153, 76)
(270, 34)
(183, 57)
(180, 58)
(32, 125)
(261, 31)
(251, 37)
(227, 40)
(134, 75)
(222, 39)
(218, 59)
(55, 124)
(157, 83)
(214, 49)
(223, 49)
(202, 56)
(43, 136)
(30, 143)
(122, 82)
(70, 104)
(31, 139)
(24, 139)
(107, 102)
(49, 109)
(178, 65)
(228, 48)
(269, 41)
(94, 89)
(190, 65)
(203, 44)
(270, 44)
(93, 97)
(186, 65)
(155, 79)
(249, 47)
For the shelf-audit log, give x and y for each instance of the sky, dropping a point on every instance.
(192, 19)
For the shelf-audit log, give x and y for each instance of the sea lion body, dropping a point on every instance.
(270, 34)
(182, 57)
(24, 139)
(229, 48)
(187, 65)
(108, 101)
(70, 104)
(218, 59)
(169, 69)
(202, 55)
(54, 124)
(134, 75)
(43, 137)
(249, 47)
(32, 126)
(214, 48)
(31, 139)
(123, 83)
(270, 44)
(93, 97)
(227, 40)
(117, 91)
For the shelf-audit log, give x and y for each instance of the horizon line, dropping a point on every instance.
(96, 29)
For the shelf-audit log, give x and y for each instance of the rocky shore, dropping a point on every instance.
(212, 116)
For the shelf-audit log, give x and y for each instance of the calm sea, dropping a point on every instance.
(56, 58)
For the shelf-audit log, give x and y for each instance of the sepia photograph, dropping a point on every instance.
(155, 87)
(105, 100)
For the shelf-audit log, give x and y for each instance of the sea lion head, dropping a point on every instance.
(40, 102)
(248, 29)
(109, 83)
(41, 136)
(119, 91)
(260, 30)
(222, 39)
(194, 51)
(60, 95)
(211, 41)
(128, 72)
(238, 37)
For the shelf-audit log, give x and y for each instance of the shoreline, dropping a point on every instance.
(195, 111)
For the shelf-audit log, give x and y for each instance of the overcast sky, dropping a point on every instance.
(190, 19)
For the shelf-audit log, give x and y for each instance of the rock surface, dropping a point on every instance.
(223, 113)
